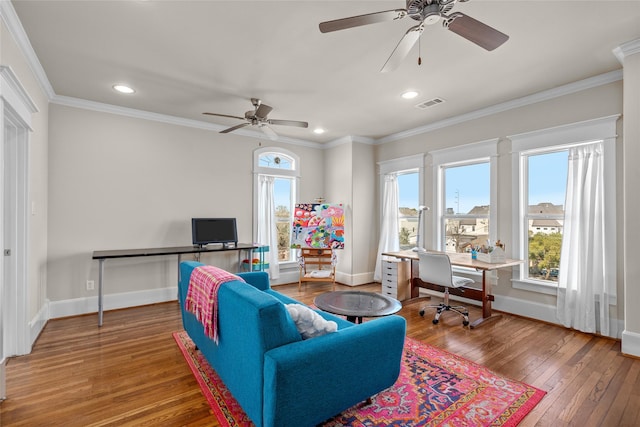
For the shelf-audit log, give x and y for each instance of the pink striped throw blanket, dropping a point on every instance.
(202, 296)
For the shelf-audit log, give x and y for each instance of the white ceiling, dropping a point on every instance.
(187, 57)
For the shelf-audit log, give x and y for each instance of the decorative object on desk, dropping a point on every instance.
(493, 255)
(421, 209)
(434, 388)
(318, 225)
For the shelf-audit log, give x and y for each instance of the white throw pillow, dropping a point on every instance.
(309, 323)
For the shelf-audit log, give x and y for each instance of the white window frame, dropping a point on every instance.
(293, 173)
(468, 154)
(399, 166)
(554, 139)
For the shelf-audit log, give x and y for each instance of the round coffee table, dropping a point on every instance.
(357, 304)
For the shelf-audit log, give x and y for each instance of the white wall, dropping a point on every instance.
(600, 101)
(350, 179)
(117, 182)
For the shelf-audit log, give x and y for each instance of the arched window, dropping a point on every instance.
(276, 177)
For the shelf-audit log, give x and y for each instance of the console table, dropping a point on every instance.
(102, 256)
(461, 260)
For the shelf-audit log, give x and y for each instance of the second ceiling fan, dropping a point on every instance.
(426, 12)
(258, 117)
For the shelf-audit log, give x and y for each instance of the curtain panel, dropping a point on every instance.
(389, 239)
(583, 297)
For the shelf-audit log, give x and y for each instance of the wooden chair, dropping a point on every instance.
(317, 265)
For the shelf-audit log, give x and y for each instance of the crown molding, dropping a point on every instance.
(168, 119)
(11, 20)
(567, 89)
(348, 139)
(626, 49)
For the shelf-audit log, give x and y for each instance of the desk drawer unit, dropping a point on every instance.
(396, 278)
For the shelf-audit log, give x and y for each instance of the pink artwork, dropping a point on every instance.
(318, 225)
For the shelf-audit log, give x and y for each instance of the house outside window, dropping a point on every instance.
(282, 166)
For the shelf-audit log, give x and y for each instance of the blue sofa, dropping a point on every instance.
(280, 379)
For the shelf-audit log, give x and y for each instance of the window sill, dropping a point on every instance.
(535, 286)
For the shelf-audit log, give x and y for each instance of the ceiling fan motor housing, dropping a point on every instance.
(428, 11)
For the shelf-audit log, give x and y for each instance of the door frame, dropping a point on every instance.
(16, 109)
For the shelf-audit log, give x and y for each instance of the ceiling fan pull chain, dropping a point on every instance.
(420, 50)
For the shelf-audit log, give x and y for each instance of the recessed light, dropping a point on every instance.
(123, 89)
(318, 131)
(410, 94)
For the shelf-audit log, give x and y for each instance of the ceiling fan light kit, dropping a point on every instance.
(427, 12)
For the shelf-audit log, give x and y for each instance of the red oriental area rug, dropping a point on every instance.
(435, 388)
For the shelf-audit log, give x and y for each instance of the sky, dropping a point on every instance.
(468, 186)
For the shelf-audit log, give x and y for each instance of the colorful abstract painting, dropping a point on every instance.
(318, 225)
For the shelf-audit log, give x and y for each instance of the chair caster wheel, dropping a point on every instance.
(422, 313)
(435, 321)
(465, 323)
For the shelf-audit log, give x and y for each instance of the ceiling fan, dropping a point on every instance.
(258, 117)
(426, 12)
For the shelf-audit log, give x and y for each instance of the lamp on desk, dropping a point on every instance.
(421, 209)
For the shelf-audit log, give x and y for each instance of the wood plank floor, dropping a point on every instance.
(131, 373)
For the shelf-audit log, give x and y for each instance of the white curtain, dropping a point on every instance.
(267, 234)
(581, 281)
(389, 239)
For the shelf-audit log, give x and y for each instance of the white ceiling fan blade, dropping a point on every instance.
(403, 48)
(268, 131)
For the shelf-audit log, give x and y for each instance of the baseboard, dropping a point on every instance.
(37, 324)
(287, 277)
(3, 387)
(533, 310)
(354, 279)
(78, 306)
(544, 312)
(631, 343)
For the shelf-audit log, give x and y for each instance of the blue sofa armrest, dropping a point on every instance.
(258, 279)
(309, 381)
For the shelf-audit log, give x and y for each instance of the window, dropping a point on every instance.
(279, 168)
(546, 184)
(400, 196)
(466, 191)
(540, 164)
(408, 195)
(465, 197)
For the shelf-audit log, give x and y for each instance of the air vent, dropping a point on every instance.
(430, 103)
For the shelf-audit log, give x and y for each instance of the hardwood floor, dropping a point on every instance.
(130, 371)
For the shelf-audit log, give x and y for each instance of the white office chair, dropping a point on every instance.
(435, 268)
